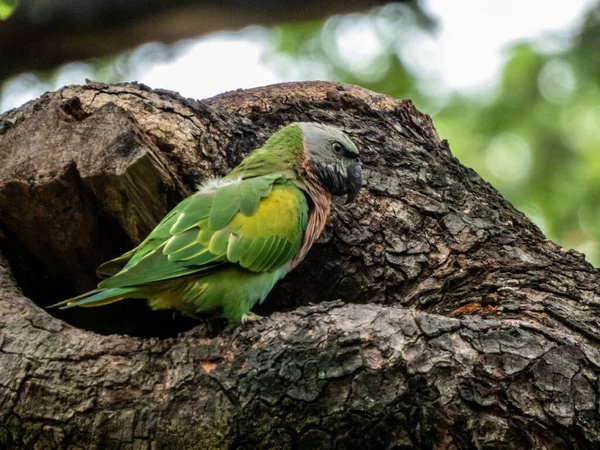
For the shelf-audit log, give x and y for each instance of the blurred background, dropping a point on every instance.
(514, 85)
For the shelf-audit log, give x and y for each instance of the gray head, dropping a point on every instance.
(333, 158)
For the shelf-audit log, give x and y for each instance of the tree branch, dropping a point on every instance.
(42, 35)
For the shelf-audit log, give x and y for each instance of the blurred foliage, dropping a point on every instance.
(534, 136)
(6, 8)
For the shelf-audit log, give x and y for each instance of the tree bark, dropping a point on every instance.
(43, 34)
(430, 314)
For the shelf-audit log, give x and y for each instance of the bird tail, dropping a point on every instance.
(97, 297)
(114, 266)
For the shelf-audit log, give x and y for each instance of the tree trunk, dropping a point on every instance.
(430, 314)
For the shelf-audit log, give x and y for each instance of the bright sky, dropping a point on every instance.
(465, 53)
(468, 50)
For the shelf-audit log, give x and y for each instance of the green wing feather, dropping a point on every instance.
(257, 223)
(152, 241)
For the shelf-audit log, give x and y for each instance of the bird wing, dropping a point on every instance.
(257, 223)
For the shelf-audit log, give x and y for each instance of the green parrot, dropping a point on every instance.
(223, 248)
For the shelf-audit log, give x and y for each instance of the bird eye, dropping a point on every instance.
(337, 147)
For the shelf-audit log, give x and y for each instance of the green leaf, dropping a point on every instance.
(7, 7)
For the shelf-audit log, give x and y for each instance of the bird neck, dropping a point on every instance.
(282, 153)
(318, 213)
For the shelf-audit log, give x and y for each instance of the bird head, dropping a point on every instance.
(333, 158)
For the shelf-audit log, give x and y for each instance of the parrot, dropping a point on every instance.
(222, 249)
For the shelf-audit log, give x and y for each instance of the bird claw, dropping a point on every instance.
(250, 317)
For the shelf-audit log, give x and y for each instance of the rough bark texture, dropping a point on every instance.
(431, 314)
(43, 34)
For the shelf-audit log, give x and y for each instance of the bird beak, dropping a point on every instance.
(354, 181)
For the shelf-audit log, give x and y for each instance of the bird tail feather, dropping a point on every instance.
(114, 266)
(97, 297)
